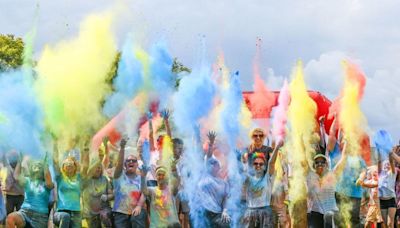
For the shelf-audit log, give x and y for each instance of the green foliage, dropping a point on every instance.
(11, 52)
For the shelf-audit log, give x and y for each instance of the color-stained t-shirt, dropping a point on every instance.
(36, 196)
(11, 186)
(162, 208)
(387, 182)
(69, 193)
(212, 191)
(347, 181)
(258, 190)
(93, 189)
(321, 192)
(126, 193)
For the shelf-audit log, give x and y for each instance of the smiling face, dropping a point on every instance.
(98, 171)
(37, 170)
(320, 165)
(161, 177)
(131, 164)
(258, 137)
(178, 148)
(259, 165)
(213, 167)
(69, 167)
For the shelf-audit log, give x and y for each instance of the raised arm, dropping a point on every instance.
(369, 184)
(394, 155)
(106, 158)
(151, 135)
(47, 176)
(338, 169)
(143, 184)
(56, 162)
(332, 136)
(165, 115)
(322, 132)
(18, 175)
(85, 159)
(272, 159)
(120, 162)
(211, 140)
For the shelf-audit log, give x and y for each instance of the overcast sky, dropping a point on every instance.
(320, 32)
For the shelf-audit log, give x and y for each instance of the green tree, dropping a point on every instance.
(11, 52)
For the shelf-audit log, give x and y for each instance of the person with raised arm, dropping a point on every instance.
(321, 182)
(213, 191)
(387, 182)
(155, 154)
(13, 192)
(162, 200)
(128, 208)
(37, 184)
(69, 179)
(258, 136)
(97, 192)
(371, 181)
(258, 189)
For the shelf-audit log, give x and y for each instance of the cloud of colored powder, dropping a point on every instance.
(72, 79)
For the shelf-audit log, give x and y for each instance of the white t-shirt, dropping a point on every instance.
(258, 191)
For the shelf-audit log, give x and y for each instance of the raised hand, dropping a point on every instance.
(149, 115)
(123, 142)
(225, 217)
(144, 170)
(211, 136)
(322, 119)
(165, 113)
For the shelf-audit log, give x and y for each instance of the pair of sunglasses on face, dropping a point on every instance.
(258, 164)
(320, 163)
(130, 160)
(258, 136)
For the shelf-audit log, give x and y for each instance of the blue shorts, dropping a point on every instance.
(33, 219)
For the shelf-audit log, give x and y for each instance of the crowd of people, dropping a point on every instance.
(115, 187)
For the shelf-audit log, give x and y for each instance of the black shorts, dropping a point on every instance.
(389, 203)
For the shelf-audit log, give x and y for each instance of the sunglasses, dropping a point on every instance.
(320, 163)
(258, 136)
(258, 164)
(130, 160)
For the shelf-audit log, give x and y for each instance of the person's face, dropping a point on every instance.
(161, 177)
(69, 166)
(98, 171)
(131, 164)
(37, 170)
(214, 168)
(178, 148)
(258, 137)
(320, 165)
(259, 165)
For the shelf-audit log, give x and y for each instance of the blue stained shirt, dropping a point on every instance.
(36, 196)
(69, 193)
(346, 184)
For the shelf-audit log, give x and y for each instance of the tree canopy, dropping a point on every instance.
(11, 52)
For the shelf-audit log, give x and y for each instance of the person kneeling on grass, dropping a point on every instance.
(37, 185)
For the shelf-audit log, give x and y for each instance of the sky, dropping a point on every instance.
(321, 33)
